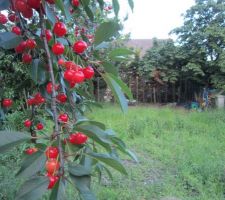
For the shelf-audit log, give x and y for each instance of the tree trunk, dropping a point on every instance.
(137, 89)
(154, 95)
(174, 92)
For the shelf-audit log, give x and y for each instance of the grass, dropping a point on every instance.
(181, 154)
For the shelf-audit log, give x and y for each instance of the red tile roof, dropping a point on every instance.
(142, 44)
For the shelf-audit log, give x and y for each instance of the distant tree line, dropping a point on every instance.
(178, 71)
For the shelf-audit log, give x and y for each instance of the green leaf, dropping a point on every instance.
(9, 40)
(120, 54)
(122, 147)
(116, 7)
(38, 74)
(131, 4)
(89, 13)
(78, 170)
(50, 14)
(33, 188)
(59, 190)
(95, 133)
(117, 92)
(102, 35)
(63, 41)
(110, 68)
(9, 139)
(87, 121)
(63, 8)
(4, 4)
(126, 90)
(110, 161)
(85, 2)
(108, 172)
(32, 164)
(101, 4)
(82, 183)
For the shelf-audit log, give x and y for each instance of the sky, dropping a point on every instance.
(153, 18)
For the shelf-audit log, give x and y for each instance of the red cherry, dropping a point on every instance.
(63, 118)
(48, 35)
(77, 138)
(12, 17)
(21, 47)
(28, 13)
(27, 58)
(89, 36)
(31, 150)
(31, 44)
(37, 95)
(51, 1)
(34, 3)
(16, 30)
(52, 166)
(78, 77)
(75, 3)
(21, 5)
(7, 103)
(72, 84)
(88, 72)
(42, 100)
(61, 98)
(59, 29)
(58, 48)
(31, 102)
(38, 99)
(49, 87)
(69, 74)
(79, 47)
(3, 19)
(52, 181)
(60, 61)
(27, 123)
(71, 11)
(52, 152)
(71, 65)
(83, 30)
(39, 126)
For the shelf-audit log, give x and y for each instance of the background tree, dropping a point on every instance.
(202, 39)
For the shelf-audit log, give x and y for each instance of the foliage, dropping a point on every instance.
(46, 75)
(202, 38)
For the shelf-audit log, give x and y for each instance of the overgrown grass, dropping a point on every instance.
(181, 156)
(181, 153)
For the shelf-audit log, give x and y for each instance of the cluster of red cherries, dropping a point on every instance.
(73, 74)
(52, 164)
(25, 7)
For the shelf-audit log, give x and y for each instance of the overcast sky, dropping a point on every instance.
(154, 18)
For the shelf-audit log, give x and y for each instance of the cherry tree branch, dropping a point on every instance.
(53, 98)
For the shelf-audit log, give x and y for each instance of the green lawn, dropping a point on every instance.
(181, 154)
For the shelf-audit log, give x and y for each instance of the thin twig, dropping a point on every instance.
(53, 99)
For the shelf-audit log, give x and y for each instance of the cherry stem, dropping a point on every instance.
(53, 98)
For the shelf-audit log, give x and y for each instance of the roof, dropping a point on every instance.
(142, 44)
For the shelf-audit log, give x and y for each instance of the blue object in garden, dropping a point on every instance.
(194, 105)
